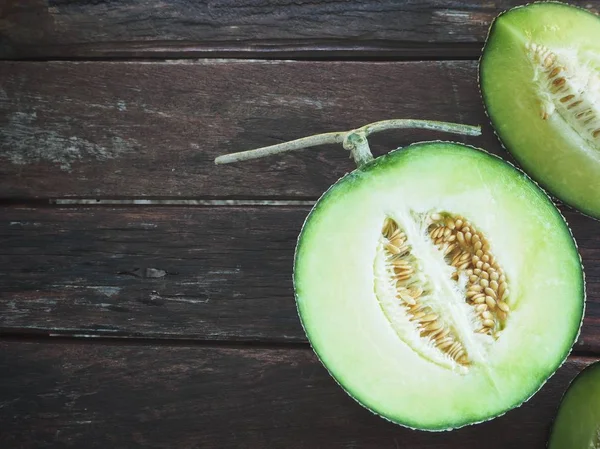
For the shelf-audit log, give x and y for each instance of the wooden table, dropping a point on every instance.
(146, 295)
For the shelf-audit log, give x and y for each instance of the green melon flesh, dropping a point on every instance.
(349, 329)
(577, 425)
(560, 151)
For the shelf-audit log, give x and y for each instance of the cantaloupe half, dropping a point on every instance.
(438, 285)
(540, 82)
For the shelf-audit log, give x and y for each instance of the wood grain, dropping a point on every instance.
(248, 28)
(98, 396)
(153, 129)
(205, 273)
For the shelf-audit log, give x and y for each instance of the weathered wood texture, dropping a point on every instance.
(206, 273)
(153, 129)
(99, 396)
(153, 28)
(214, 273)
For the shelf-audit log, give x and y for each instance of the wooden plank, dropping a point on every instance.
(153, 129)
(211, 273)
(206, 273)
(98, 396)
(153, 28)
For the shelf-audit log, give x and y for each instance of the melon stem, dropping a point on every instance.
(354, 140)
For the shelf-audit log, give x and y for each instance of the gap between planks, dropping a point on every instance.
(363, 51)
(84, 339)
(103, 340)
(41, 202)
(179, 202)
(67, 202)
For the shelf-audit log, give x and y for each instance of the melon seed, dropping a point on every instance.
(565, 96)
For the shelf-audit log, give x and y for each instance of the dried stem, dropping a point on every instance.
(354, 140)
(298, 144)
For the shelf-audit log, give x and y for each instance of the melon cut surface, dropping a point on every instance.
(577, 425)
(438, 285)
(540, 82)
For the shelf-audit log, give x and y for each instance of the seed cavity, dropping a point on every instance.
(412, 291)
(569, 88)
(473, 274)
(473, 259)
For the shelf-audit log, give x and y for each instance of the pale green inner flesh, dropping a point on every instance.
(577, 425)
(540, 79)
(349, 330)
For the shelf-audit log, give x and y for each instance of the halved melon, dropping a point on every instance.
(577, 425)
(438, 285)
(540, 82)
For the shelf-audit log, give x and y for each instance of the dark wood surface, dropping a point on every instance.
(112, 129)
(212, 273)
(128, 396)
(146, 297)
(247, 28)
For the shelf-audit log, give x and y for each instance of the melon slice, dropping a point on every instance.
(438, 284)
(540, 82)
(370, 259)
(577, 425)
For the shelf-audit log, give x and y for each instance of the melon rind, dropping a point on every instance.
(577, 424)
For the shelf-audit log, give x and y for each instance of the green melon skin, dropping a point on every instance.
(577, 425)
(337, 305)
(562, 160)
